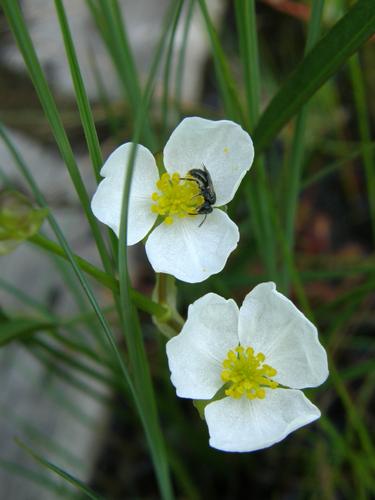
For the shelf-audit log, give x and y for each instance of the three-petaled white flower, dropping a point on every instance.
(259, 356)
(183, 244)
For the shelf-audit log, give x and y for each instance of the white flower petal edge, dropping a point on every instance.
(107, 200)
(222, 146)
(271, 323)
(196, 354)
(191, 252)
(247, 425)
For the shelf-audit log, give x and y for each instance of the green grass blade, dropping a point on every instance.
(26, 299)
(35, 477)
(348, 34)
(248, 42)
(167, 77)
(106, 339)
(227, 86)
(361, 104)
(83, 104)
(295, 163)
(66, 377)
(60, 472)
(334, 167)
(257, 190)
(43, 438)
(140, 300)
(108, 18)
(12, 329)
(182, 56)
(21, 34)
(58, 355)
(130, 321)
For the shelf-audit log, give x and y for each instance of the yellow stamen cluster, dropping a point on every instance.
(176, 198)
(247, 374)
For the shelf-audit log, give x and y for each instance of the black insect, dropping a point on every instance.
(206, 189)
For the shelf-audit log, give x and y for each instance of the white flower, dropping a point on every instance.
(263, 352)
(183, 244)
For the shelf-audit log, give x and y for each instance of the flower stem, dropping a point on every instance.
(165, 294)
(140, 300)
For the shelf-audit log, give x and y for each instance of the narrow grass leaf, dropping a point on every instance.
(227, 86)
(130, 320)
(331, 52)
(257, 190)
(60, 472)
(21, 34)
(294, 171)
(36, 478)
(15, 329)
(359, 94)
(83, 104)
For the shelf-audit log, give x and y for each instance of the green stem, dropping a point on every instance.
(74, 363)
(18, 26)
(359, 92)
(257, 188)
(296, 160)
(165, 294)
(142, 302)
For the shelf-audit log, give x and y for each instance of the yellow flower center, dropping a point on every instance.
(176, 197)
(247, 374)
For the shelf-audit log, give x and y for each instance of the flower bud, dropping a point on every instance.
(19, 219)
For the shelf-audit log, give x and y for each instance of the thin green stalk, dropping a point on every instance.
(107, 336)
(345, 449)
(140, 300)
(182, 55)
(342, 392)
(27, 300)
(26, 426)
(337, 45)
(108, 18)
(366, 149)
(72, 362)
(66, 377)
(4, 179)
(246, 23)
(35, 477)
(227, 86)
(167, 76)
(21, 34)
(257, 189)
(83, 104)
(354, 417)
(78, 347)
(61, 268)
(60, 472)
(296, 159)
(141, 397)
(132, 331)
(363, 119)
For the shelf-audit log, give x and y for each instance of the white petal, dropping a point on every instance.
(195, 356)
(191, 252)
(249, 425)
(271, 323)
(106, 202)
(222, 146)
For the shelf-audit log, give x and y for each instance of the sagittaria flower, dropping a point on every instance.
(187, 240)
(256, 358)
